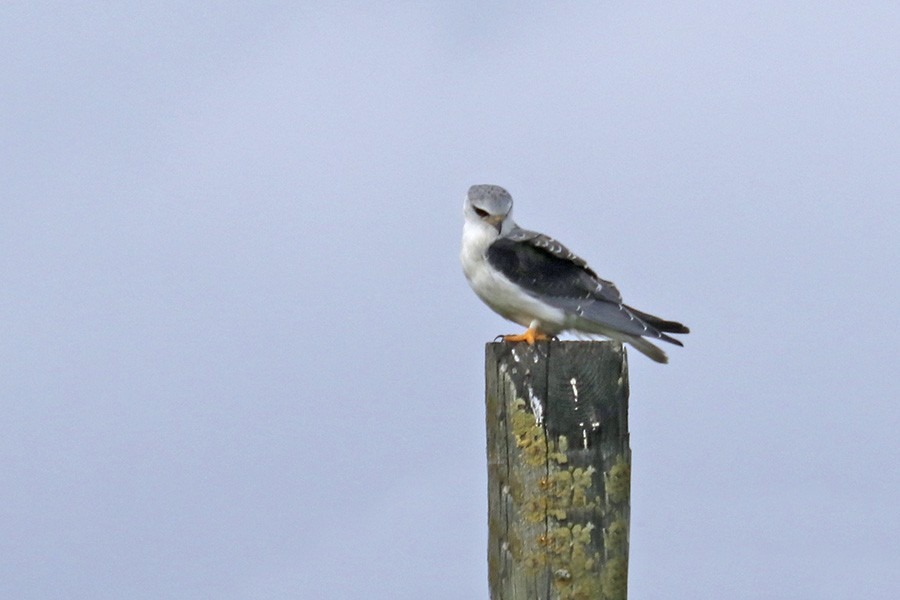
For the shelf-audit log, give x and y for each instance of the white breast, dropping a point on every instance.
(497, 291)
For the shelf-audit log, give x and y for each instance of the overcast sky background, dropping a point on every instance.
(238, 357)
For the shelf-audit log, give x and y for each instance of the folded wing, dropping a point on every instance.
(552, 273)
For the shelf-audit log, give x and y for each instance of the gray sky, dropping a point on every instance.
(238, 358)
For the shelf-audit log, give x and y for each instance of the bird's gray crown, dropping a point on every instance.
(492, 198)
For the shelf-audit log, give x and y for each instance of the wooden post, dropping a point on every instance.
(559, 471)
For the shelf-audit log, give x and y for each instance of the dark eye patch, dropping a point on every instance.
(481, 213)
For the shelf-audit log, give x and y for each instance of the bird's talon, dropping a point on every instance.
(530, 336)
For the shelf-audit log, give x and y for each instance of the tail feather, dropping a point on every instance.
(647, 349)
(640, 344)
(669, 339)
(661, 324)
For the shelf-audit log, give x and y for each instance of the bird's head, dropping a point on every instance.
(490, 206)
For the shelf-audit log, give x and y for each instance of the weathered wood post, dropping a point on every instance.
(559, 471)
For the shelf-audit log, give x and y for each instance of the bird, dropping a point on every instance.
(533, 280)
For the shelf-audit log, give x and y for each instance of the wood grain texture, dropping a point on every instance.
(559, 468)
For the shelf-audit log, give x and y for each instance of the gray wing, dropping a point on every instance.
(549, 271)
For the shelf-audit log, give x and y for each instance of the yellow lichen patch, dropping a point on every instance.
(567, 488)
(618, 481)
(534, 508)
(557, 540)
(534, 561)
(615, 537)
(558, 452)
(559, 514)
(570, 551)
(581, 483)
(558, 493)
(546, 488)
(614, 579)
(529, 435)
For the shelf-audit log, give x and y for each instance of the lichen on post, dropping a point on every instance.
(559, 470)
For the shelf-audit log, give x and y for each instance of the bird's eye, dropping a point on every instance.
(481, 213)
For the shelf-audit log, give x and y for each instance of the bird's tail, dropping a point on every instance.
(640, 344)
(649, 350)
(660, 324)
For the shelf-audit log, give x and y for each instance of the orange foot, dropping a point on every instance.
(531, 336)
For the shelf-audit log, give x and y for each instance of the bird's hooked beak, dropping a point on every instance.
(496, 221)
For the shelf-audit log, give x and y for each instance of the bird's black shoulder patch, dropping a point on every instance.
(539, 271)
